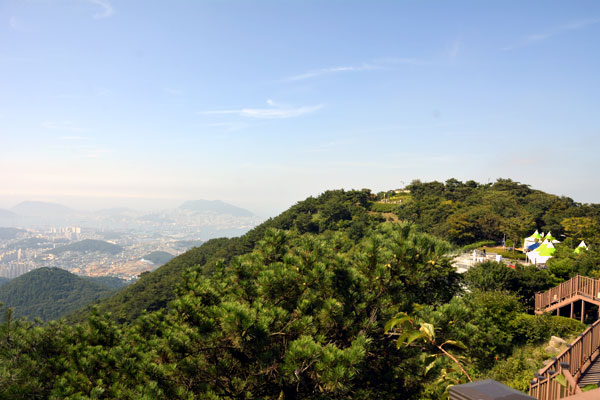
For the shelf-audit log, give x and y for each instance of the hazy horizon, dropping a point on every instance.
(152, 204)
(147, 104)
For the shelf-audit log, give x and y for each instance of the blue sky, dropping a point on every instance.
(262, 103)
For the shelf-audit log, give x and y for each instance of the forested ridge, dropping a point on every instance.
(302, 305)
(467, 212)
(51, 293)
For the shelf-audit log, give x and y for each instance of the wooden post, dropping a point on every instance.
(582, 310)
(572, 304)
(560, 292)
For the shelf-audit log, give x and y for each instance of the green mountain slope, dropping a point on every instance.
(330, 211)
(49, 293)
(159, 257)
(3, 280)
(108, 282)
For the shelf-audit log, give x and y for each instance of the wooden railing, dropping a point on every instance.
(576, 286)
(571, 364)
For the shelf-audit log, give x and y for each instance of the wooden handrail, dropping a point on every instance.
(576, 286)
(571, 363)
(571, 384)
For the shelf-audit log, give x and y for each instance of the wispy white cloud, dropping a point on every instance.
(74, 138)
(79, 146)
(68, 126)
(378, 64)
(453, 50)
(328, 146)
(274, 111)
(17, 24)
(107, 9)
(226, 127)
(94, 153)
(332, 70)
(102, 91)
(539, 37)
(13, 23)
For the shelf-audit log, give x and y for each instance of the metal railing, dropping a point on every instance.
(571, 364)
(576, 286)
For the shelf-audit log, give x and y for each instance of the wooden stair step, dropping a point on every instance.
(591, 374)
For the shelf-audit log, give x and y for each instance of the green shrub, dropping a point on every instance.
(383, 207)
(532, 329)
(479, 244)
(515, 255)
(516, 371)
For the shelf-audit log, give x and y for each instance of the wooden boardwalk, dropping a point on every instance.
(591, 374)
(578, 288)
(579, 364)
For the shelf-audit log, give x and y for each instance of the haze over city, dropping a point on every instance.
(108, 103)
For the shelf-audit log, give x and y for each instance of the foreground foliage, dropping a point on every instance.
(301, 316)
(297, 308)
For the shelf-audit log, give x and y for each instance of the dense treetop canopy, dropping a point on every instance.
(50, 293)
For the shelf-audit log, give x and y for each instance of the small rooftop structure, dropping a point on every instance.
(582, 246)
(487, 389)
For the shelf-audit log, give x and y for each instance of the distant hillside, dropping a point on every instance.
(42, 209)
(118, 212)
(30, 243)
(188, 244)
(109, 282)
(155, 218)
(216, 206)
(159, 257)
(8, 218)
(49, 293)
(3, 280)
(89, 245)
(9, 233)
(6, 213)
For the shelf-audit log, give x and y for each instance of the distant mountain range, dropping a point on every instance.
(47, 209)
(215, 206)
(8, 218)
(9, 233)
(42, 209)
(50, 293)
(192, 220)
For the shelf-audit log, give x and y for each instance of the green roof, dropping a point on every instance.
(546, 250)
(582, 246)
